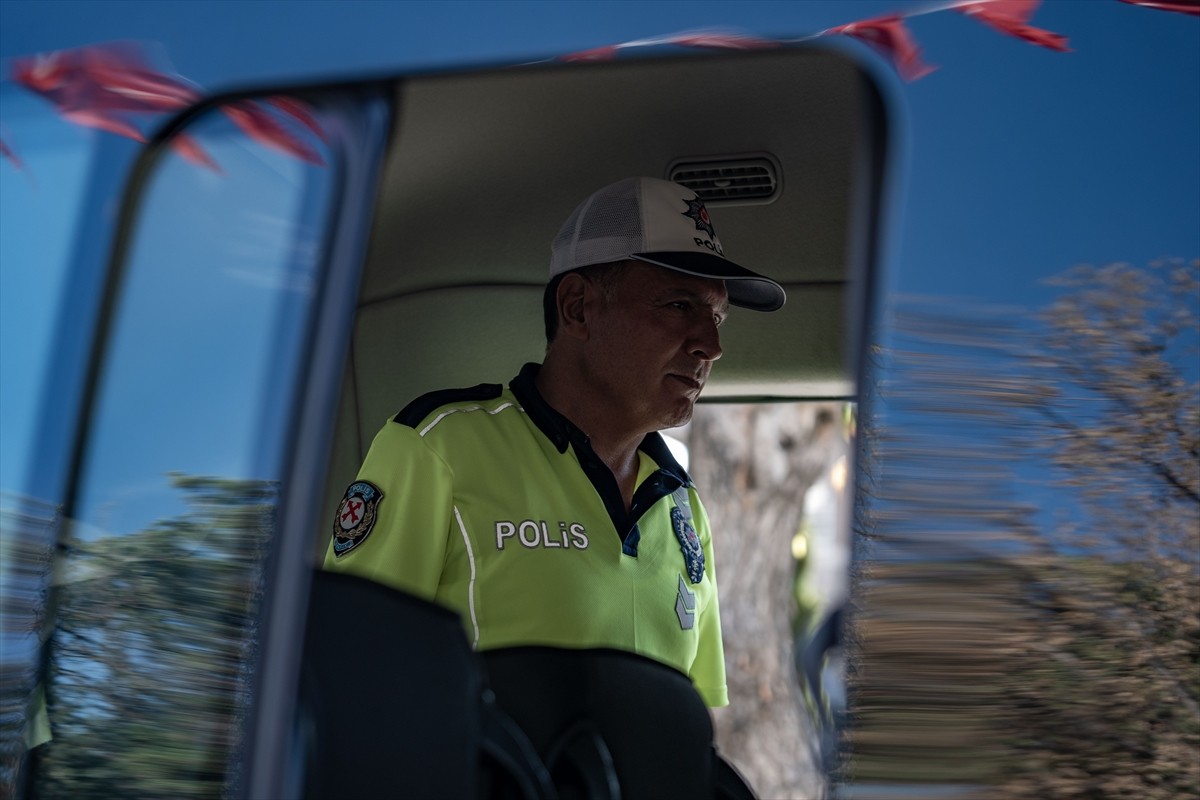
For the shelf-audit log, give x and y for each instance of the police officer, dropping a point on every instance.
(550, 511)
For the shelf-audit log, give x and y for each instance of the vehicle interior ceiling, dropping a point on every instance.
(484, 167)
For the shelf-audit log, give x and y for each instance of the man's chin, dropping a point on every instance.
(681, 415)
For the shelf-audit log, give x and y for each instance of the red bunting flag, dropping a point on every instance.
(7, 153)
(1015, 11)
(725, 41)
(103, 120)
(1191, 7)
(98, 86)
(103, 86)
(298, 111)
(190, 150)
(606, 53)
(260, 126)
(890, 36)
(1012, 17)
(105, 78)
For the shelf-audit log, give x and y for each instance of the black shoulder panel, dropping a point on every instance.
(424, 405)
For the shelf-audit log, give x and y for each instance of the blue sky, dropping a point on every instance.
(1018, 162)
(1018, 156)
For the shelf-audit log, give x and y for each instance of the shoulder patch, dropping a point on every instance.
(689, 542)
(426, 404)
(356, 516)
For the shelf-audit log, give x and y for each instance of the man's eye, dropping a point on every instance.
(682, 305)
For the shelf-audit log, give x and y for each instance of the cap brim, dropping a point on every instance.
(746, 289)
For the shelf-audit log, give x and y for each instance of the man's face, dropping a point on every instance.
(652, 345)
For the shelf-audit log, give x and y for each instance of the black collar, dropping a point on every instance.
(562, 432)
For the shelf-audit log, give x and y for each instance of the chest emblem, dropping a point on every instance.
(689, 543)
(356, 516)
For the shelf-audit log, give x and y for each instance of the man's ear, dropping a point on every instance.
(572, 298)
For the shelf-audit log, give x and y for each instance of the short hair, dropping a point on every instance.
(606, 276)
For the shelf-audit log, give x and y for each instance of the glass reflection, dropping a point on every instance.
(157, 590)
(27, 527)
(1027, 570)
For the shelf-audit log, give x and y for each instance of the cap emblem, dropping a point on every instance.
(699, 214)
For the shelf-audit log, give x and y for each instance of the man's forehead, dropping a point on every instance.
(660, 279)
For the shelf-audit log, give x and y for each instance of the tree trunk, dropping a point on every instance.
(753, 465)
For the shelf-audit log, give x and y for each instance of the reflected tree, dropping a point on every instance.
(1115, 710)
(152, 632)
(1027, 580)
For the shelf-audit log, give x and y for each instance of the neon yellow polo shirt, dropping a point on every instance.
(489, 502)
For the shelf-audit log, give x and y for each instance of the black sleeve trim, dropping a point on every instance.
(424, 405)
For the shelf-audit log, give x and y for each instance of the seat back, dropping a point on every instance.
(393, 704)
(649, 716)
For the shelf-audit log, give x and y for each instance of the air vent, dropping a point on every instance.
(742, 180)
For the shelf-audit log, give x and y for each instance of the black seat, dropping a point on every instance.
(393, 703)
(648, 716)
(729, 783)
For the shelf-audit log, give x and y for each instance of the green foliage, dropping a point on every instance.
(152, 634)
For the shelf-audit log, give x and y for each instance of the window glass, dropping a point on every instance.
(54, 176)
(156, 593)
(41, 200)
(1028, 543)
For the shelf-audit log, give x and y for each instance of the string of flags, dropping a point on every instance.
(1182, 6)
(890, 35)
(111, 86)
(107, 86)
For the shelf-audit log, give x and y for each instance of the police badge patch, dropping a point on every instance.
(355, 516)
(698, 214)
(689, 542)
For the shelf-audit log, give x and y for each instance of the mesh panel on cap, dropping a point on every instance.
(606, 227)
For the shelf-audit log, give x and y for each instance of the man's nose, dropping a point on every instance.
(706, 342)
